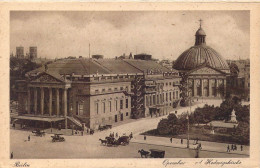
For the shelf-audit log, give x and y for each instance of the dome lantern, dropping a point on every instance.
(200, 36)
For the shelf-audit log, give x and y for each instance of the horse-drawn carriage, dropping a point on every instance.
(111, 141)
(154, 153)
(58, 138)
(104, 127)
(38, 132)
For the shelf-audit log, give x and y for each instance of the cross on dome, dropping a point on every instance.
(200, 22)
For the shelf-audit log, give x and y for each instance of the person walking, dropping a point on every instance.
(235, 147)
(228, 149)
(241, 147)
(171, 140)
(12, 155)
(116, 135)
(232, 147)
(181, 141)
(29, 138)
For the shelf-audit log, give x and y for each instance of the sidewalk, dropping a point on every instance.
(176, 143)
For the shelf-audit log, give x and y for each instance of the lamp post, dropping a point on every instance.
(188, 138)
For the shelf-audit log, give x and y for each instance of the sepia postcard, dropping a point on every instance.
(129, 84)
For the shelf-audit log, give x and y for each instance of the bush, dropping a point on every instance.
(172, 125)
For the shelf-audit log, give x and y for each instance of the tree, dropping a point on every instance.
(184, 89)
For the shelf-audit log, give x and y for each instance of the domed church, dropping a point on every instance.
(206, 69)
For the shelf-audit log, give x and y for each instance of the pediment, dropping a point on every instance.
(46, 78)
(206, 71)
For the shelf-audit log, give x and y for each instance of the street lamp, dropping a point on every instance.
(188, 139)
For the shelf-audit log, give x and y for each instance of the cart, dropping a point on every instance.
(156, 153)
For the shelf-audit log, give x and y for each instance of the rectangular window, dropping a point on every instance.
(157, 99)
(151, 100)
(177, 95)
(80, 109)
(104, 107)
(115, 89)
(154, 100)
(110, 107)
(170, 96)
(166, 96)
(116, 104)
(173, 95)
(121, 104)
(109, 89)
(126, 88)
(126, 103)
(147, 101)
(126, 113)
(96, 108)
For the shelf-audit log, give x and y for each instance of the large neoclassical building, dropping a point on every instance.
(206, 69)
(95, 92)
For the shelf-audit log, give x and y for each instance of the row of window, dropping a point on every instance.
(105, 109)
(159, 98)
(110, 89)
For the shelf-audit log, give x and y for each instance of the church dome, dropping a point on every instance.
(200, 54)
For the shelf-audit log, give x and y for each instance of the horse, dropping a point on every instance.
(103, 141)
(144, 153)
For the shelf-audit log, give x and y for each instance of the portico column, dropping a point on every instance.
(50, 101)
(224, 83)
(57, 102)
(29, 101)
(210, 89)
(35, 100)
(217, 90)
(202, 88)
(65, 105)
(194, 88)
(42, 100)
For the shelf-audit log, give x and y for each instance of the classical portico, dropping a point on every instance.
(206, 81)
(47, 96)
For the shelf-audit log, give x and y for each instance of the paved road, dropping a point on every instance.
(89, 147)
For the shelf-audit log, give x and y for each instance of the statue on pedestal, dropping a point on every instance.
(233, 117)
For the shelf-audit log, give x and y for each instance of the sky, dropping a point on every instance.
(163, 34)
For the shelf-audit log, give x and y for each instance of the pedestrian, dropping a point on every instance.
(113, 135)
(116, 134)
(171, 140)
(145, 137)
(241, 147)
(29, 138)
(181, 141)
(197, 140)
(87, 130)
(82, 133)
(228, 149)
(12, 155)
(235, 147)
(232, 147)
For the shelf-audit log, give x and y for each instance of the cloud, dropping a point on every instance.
(165, 35)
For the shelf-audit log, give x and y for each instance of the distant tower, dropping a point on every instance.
(33, 52)
(19, 52)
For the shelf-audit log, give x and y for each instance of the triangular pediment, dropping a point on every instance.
(46, 78)
(206, 70)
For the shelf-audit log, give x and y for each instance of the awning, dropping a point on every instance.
(37, 118)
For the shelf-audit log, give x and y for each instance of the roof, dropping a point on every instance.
(198, 55)
(117, 66)
(102, 66)
(76, 66)
(145, 65)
